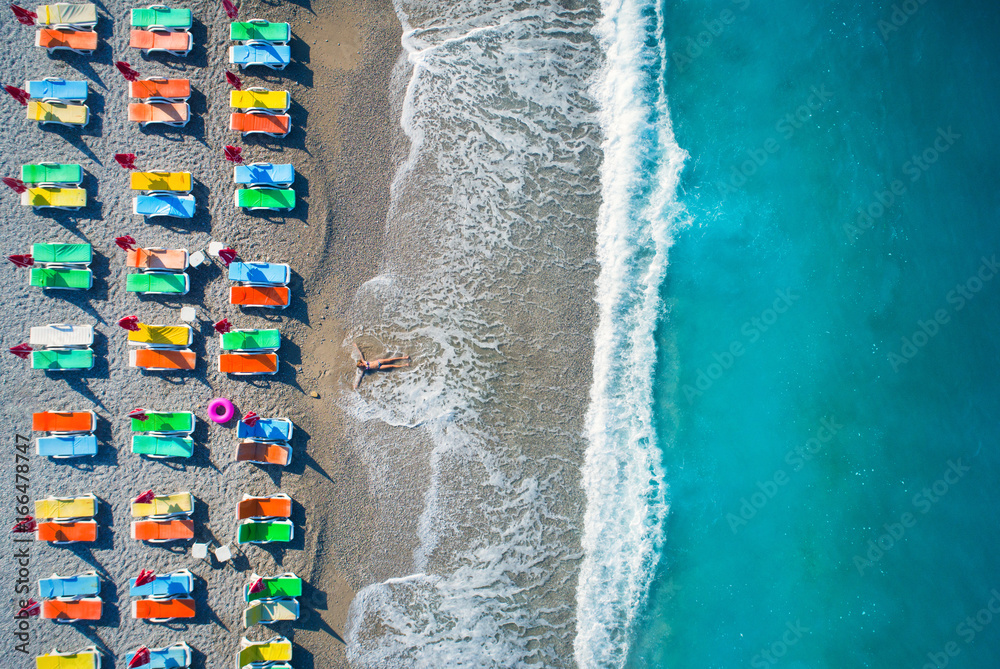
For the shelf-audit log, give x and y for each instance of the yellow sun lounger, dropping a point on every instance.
(260, 98)
(155, 336)
(58, 112)
(64, 508)
(85, 658)
(58, 198)
(162, 506)
(275, 649)
(65, 14)
(176, 182)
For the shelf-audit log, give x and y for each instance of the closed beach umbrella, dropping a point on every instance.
(27, 525)
(126, 160)
(23, 16)
(257, 585)
(18, 94)
(15, 184)
(141, 657)
(145, 576)
(227, 256)
(32, 608)
(234, 81)
(126, 70)
(223, 326)
(130, 323)
(125, 242)
(230, 8)
(251, 418)
(138, 414)
(22, 260)
(233, 154)
(21, 350)
(145, 498)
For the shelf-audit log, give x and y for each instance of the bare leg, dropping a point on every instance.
(397, 358)
(392, 366)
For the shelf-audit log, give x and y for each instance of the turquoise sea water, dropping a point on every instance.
(827, 386)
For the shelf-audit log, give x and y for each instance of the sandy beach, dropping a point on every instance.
(344, 146)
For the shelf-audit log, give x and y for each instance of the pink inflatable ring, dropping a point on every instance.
(221, 410)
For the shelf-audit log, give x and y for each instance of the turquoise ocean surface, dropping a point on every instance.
(827, 392)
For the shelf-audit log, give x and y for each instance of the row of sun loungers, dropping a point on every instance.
(163, 434)
(68, 434)
(61, 266)
(62, 347)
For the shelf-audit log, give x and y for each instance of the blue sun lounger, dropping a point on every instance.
(268, 273)
(178, 583)
(177, 656)
(266, 429)
(86, 584)
(178, 206)
(51, 88)
(274, 56)
(66, 446)
(264, 174)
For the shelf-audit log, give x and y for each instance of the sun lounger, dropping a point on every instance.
(67, 611)
(276, 649)
(248, 364)
(177, 182)
(163, 89)
(162, 610)
(176, 656)
(164, 585)
(85, 658)
(162, 360)
(260, 273)
(272, 199)
(66, 508)
(264, 531)
(165, 506)
(266, 429)
(260, 98)
(274, 56)
(63, 422)
(86, 584)
(175, 114)
(259, 29)
(56, 174)
(66, 446)
(162, 447)
(158, 283)
(284, 585)
(165, 422)
(63, 359)
(263, 453)
(175, 260)
(260, 123)
(52, 88)
(270, 611)
(59, 278)
(77, 41)
(161, 16)
(275, 297)
(62, 254)
(82, 15)
(161, 336)
(67, 532)
(163, 531)
(178, 206)
(264, 174)
(60, 113)
(54, 197)
(250, 340)
(158, 39)
(61, 335)
(274, 506)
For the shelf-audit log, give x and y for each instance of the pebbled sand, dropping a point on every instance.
(343, 144)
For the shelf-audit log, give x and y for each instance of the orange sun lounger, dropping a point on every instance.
(279, 506)
(161, 531)
(174, 260)
(276, 125)
(159, 359)
(64, 533)
(248, 363)
(73, 40)
(169, 89)
(162, 609)
(260, 296)
(63, 421)
(88, 608)
(178, 43)
(263, 453)
(169, 113)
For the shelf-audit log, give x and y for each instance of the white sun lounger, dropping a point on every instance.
(62, 335)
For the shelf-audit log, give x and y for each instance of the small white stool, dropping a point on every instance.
(196, 259)
(223, 553)
(199, 551)
(214, 248)
(188, 314)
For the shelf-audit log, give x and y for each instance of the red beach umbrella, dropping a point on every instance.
(257, 585)
(233, 154)
(125, 242)
(234, 81)
(223, 326)
(33, 608)
(140, 659)
(230, 8)
(22, 260)
(15, 184)
(130, 323)
(18, 94)
(126, 70)
(145, 498)
(21, 350)
(145, 576)
(251, 418)
(126, 160)
(24, 17)
(29, 524)
(227, 256)
(138, 414)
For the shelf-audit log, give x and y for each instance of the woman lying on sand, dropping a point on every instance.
(375, 365)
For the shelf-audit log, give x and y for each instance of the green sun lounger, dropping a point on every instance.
(161, 16)
(56, 277)
(62, 359)
(264, 531)
(265, 198)
(162, 447)
(286, 585)
(62, 254)
(250, 340)
(52, 173)
(161, 283)
(259, 29)
(165, 421)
